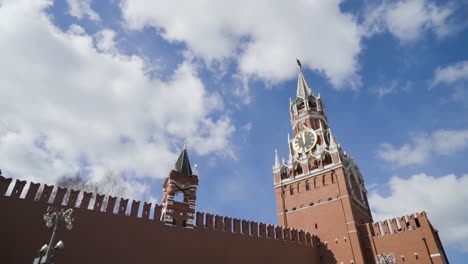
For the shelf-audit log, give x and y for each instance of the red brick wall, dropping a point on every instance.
(105, 237)
(405, 239)
(332, 217)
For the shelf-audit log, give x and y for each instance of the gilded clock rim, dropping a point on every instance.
(313, 144)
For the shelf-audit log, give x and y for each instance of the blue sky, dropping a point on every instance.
(98, 86)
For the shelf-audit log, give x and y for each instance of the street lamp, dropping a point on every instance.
(386, 258)
(54, 218)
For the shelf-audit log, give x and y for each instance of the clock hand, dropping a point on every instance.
(303, 139)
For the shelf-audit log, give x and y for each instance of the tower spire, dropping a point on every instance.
(277, 162)
(332, 144)
(182, 164)
(303, 90)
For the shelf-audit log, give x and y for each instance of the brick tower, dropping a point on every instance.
(319, 188)
(180, 183)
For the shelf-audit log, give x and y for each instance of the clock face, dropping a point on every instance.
(304, 141)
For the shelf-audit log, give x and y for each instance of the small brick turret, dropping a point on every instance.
(180, 181)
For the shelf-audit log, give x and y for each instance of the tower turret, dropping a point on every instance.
(306, 108)
(277, 162)
(311, 147)
(180, 183)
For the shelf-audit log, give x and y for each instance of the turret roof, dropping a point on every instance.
(182, 164)
(303, 90)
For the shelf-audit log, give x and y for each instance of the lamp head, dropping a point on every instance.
(59, 245)
(68, 219)
(44, 248)
(47, 217)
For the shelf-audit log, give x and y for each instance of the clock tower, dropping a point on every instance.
(319, 188)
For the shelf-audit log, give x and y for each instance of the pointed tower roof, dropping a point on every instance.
(332, 140)
(277, 162)
(182, 164)
(303, 90)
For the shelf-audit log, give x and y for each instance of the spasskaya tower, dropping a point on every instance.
(319, 188)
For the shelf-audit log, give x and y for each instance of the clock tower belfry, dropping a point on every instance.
(319, 188)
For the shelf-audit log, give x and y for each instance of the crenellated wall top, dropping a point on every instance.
(118, 206)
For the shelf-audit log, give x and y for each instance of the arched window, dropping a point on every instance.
(300, 105)
(297, 169)
(291, 190)
(307, 186)
(179, 197)
(327, 159)
(298, 187)
(284, 172)
(312, 104)
(311, 164)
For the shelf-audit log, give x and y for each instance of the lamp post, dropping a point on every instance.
(54, 218)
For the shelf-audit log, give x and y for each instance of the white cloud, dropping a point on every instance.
(408, 20)
(263, 38)
(443, 198)
(81, 9)
(447, 142)
(451, 74)
(392, 87)
(68, 106)
(218, 133)
(441, 142)
(408, 154)
(105, 41)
